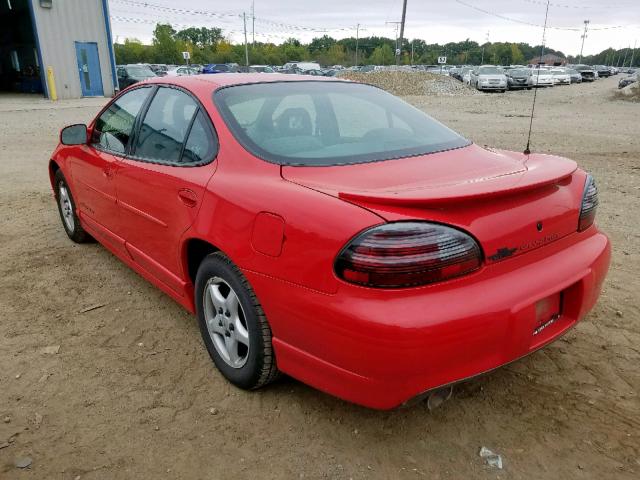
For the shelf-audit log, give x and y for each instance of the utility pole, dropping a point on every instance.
(253, 23)
(412, 42)
(396, 26)
(404, 16)
(626, 52)
(584, 35)
(482, 59)
(357, 39)
(246, 47)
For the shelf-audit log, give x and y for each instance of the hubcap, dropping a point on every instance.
(226, 322)
(65, 206)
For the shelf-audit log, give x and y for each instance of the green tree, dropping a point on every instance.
(131, 51)
(321, 44)
(200, 37)
(382, 55)
(517, 58)
(165, 47)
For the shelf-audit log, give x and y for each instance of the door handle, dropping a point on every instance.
(188, 197)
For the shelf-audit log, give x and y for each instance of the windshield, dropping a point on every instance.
(558, 72)
(490, 71)
(140, 72)
(329, 123)
(520, 72)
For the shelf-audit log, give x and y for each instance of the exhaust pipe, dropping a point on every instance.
(434, 398)
(437, 397)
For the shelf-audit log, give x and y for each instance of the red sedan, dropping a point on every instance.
(330, 231)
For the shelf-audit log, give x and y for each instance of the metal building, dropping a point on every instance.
(58, 48)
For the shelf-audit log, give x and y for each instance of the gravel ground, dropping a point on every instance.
(411, 83)
(131, 392)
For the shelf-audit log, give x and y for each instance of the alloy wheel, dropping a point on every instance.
(226, 322)
(66, 207)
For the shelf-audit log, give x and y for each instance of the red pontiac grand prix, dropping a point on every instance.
(330, 231)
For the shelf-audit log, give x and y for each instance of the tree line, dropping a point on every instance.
(209, 45)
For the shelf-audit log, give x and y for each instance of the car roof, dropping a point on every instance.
(219, 80)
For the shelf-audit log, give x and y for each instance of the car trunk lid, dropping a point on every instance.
(509, 201)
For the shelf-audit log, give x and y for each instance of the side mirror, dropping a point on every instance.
(74, 135)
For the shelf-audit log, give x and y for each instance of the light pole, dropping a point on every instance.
(482, 59)
(584, 35)
(357, 38)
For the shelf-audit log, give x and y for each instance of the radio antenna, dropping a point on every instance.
(535, 91)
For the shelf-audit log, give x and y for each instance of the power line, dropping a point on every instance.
(581, 7)
(522, 22)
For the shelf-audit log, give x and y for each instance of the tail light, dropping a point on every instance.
(589, 204)
(406, 254)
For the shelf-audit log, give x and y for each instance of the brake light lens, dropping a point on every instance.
(589, 204)
(407, 254)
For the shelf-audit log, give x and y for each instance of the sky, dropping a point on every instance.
(615, 24)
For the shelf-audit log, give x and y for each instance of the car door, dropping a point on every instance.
(94, 166)
(161, 183)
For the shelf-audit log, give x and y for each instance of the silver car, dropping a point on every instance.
(489, 77)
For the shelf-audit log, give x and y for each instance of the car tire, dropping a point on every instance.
(67, 209)
(235, 331)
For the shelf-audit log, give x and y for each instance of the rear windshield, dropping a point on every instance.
(490, 71)
(329, 123)
(140, 71)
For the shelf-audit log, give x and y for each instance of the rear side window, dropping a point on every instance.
(113, 128)
(165, 126)
(202, 142)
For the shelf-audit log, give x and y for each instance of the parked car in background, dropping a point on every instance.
(263, 69)
(303, 66)
(588, 73)
(489, 77)
(560, 76)
(603, 71)
(519, 78)
(220, 68)
(159, 69)
(466, 75)
(625, 81)
(330, 231)
(574, 75)
(131, 74)
(180, 71)
(541, 77)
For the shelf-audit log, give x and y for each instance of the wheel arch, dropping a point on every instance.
(194, 250)
(53, 169)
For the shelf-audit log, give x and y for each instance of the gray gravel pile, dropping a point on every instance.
(630, 92)
(411, 83)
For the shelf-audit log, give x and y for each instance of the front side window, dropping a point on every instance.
(165, 126)
(329, 123)
(113, 128)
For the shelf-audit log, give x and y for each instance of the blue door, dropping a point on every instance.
(89, 69)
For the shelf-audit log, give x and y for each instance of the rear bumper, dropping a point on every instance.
(492, 87)
(380, 348)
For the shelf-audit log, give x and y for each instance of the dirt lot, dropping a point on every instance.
(131, 391)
